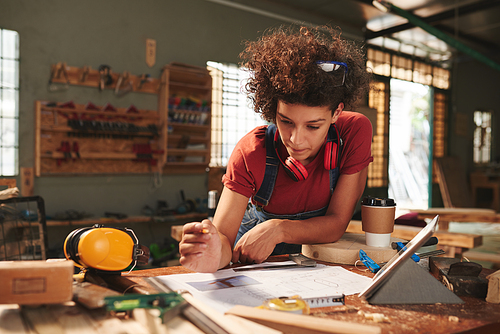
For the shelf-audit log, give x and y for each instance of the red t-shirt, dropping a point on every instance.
(246, 166)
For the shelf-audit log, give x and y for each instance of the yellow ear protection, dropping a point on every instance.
(105, 248)
(296, 170)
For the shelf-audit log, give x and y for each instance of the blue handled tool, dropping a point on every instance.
(400, 246)
(369, 263)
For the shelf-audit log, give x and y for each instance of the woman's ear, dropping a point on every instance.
(337, 112)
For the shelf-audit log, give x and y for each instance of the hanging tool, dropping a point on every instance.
(76, 149)
(55, 75)
(144, 78)
(123, 84)
(105, 76)
(85, 73)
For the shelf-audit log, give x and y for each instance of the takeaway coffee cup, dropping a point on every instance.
(377, 219)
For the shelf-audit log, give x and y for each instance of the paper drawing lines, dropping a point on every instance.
(224, 283)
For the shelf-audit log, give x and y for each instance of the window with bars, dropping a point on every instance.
(388, 65)
(9, 102)
(482, 137)
(232, 116)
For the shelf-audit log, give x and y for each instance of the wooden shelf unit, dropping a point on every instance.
(188, 127)
(76, 139)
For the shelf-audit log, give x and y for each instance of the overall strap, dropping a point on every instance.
(265, 191)
(333, 136)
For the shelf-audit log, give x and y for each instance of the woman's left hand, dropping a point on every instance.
(256, 245)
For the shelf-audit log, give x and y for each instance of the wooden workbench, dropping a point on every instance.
(129, 220)
(474, 314)
(460, 215)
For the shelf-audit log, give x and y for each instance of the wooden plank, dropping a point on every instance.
(90, 222)
(36, 282)
(296, 323)
(218, 318)
(27, 182)
(346, 250)
(43, 321)
(463, 240)
(11, 321)
(38, 133)
(453, 183)
(482, 256)
(462, 217)
(98, 155)
(456, 211)
(9, 183)
(194, 216)
(61, 73)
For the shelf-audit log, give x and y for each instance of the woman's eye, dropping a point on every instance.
(284, 121)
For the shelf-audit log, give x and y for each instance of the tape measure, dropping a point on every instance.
(287, 304)
(298, 305)
(325, 301)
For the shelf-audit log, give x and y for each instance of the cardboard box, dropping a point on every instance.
(36, 282)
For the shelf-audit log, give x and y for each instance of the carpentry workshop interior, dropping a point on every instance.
(118, 120)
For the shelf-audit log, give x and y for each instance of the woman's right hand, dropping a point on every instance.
(200, 247)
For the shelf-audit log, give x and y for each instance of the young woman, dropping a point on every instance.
(298, 180)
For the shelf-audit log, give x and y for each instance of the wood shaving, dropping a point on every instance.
(376, 317)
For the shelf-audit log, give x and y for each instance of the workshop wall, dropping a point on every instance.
(114, 32)
(475, 87)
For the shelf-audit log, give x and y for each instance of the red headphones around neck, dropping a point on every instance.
(296, 170)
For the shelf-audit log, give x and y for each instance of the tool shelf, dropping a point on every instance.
(78, 139)
(62, 149)
(188, 122)
(86, 76)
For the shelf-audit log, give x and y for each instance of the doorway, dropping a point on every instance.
(409, 144)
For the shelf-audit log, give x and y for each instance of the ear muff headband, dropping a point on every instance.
(331, 149)
(293, 167)
(296, 170)
(71, 246)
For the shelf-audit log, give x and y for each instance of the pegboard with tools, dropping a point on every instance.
(88, 139)
(81, 139)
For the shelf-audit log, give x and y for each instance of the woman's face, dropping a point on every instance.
(303, 129)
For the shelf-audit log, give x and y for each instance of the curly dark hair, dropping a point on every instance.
(282, 66)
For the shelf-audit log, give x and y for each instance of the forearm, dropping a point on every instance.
(324, 229)
(226, 251)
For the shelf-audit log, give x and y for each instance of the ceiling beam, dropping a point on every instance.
(441, 35)
(436, 18)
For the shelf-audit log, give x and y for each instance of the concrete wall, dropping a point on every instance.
(475, 87)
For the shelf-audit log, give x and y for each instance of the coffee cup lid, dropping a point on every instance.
(373, 201)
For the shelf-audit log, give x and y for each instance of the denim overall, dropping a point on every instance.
(255, 214)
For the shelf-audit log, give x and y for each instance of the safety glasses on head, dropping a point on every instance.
(336, 69)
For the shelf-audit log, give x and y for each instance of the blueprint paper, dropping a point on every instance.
(226, 288)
